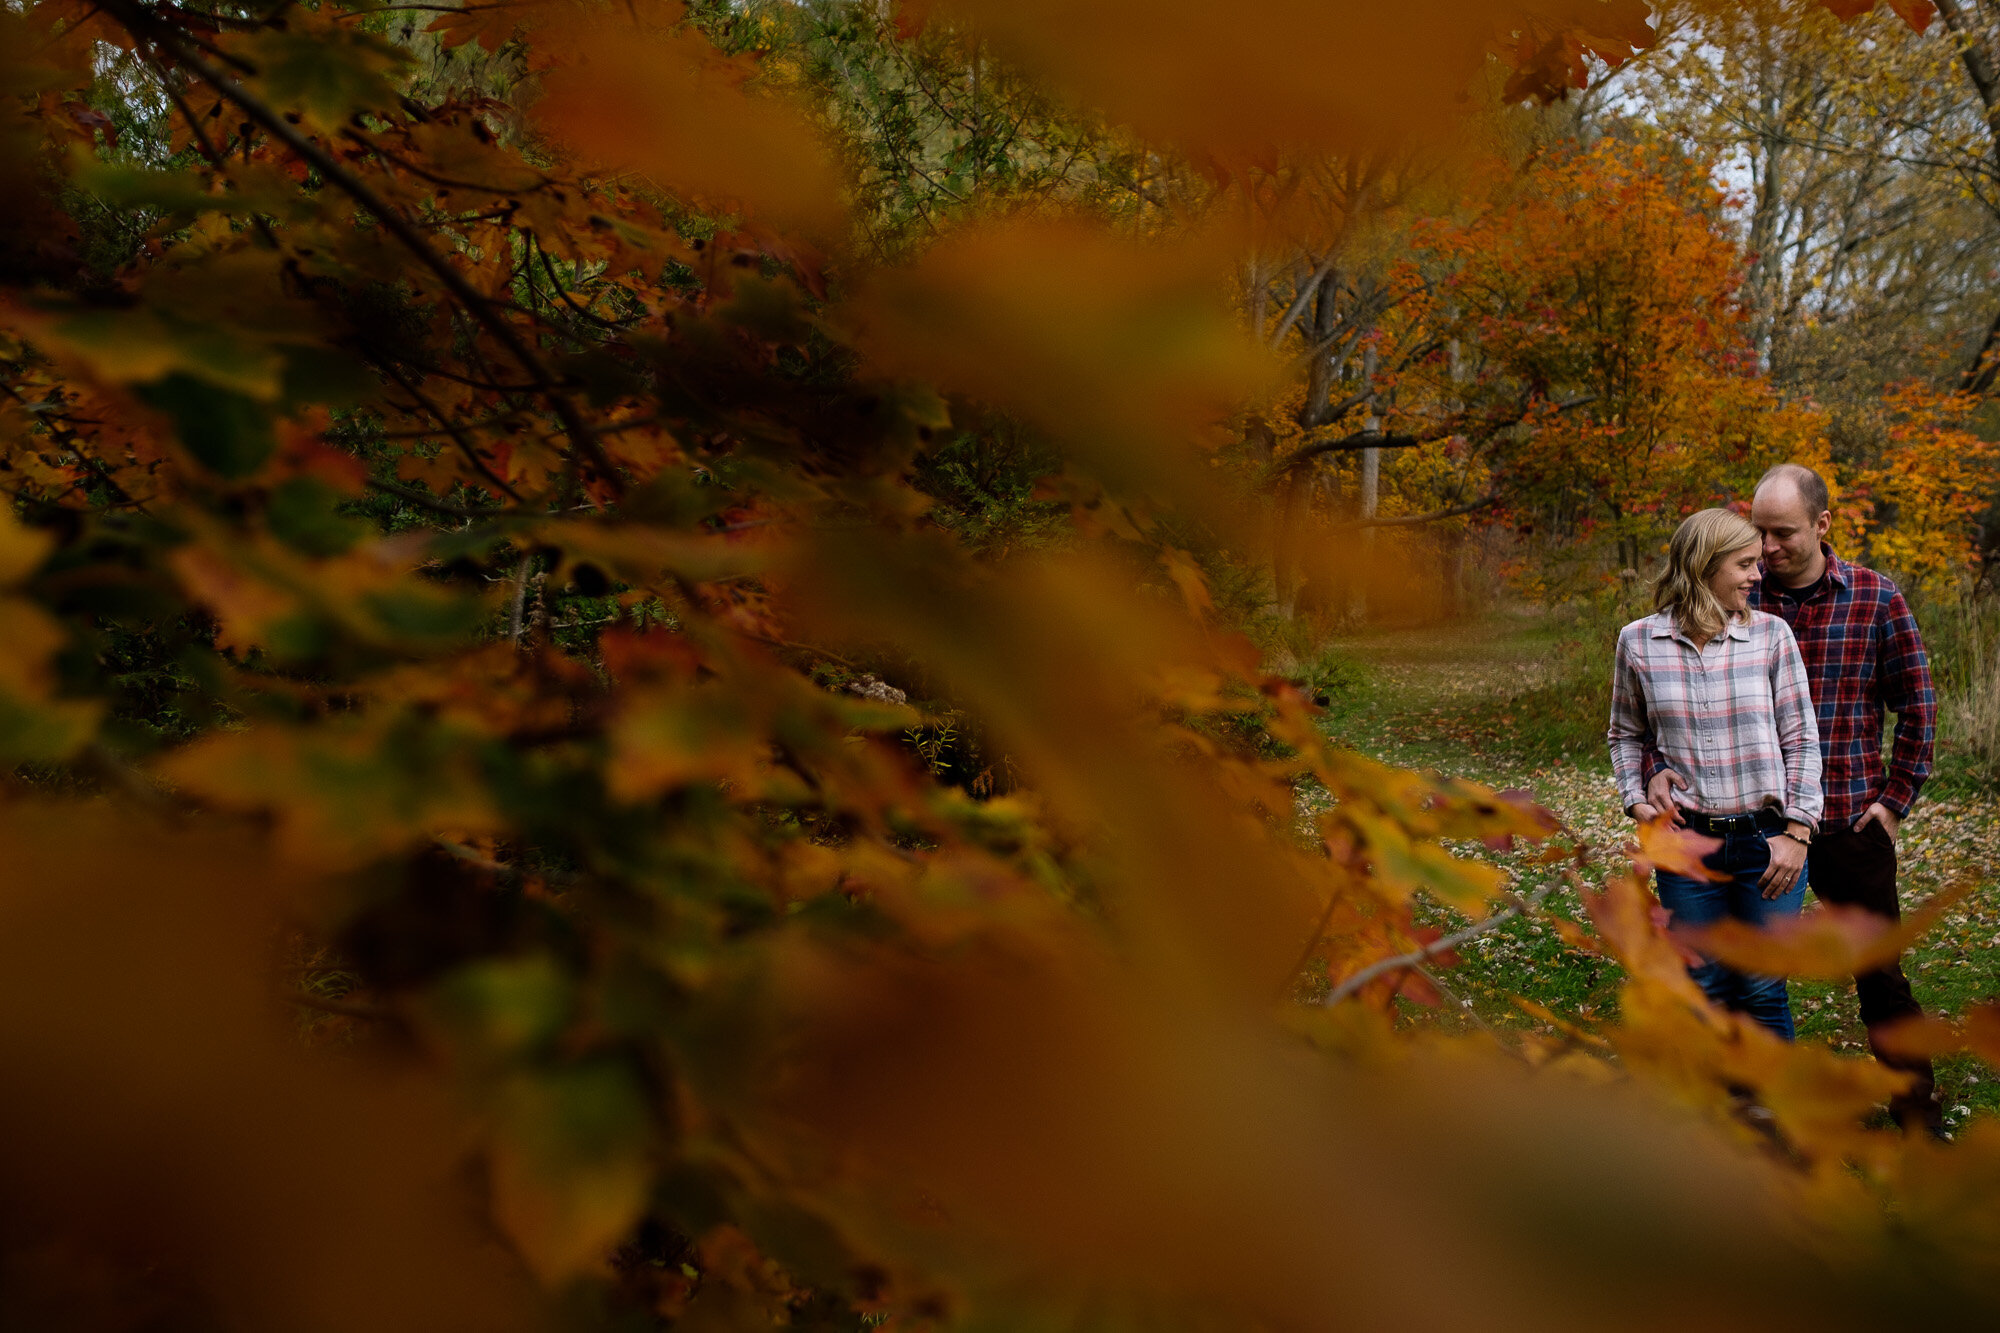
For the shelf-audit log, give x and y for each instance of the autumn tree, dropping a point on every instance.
(1609, 290)
(462, 870)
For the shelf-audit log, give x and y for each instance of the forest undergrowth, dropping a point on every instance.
(1513, 700)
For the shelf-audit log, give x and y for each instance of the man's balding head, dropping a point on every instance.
(1794, 484)
(1791, 511)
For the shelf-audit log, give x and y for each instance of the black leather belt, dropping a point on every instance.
(1766, 820)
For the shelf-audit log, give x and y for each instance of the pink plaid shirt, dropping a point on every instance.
(1734, 718)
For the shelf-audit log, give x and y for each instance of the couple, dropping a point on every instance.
(1749, 707)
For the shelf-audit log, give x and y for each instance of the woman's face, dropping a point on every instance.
(1734, 578)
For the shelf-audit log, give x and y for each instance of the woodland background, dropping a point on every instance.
(794, 663)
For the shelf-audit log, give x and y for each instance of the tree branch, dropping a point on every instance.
(1409, 520)
(1443, 944)
(1303, 299)
(137, 20)
(425, 500)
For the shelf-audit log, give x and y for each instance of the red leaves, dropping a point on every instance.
(1916, 13)
(90, 118)
(491, 25)
(1550, 50)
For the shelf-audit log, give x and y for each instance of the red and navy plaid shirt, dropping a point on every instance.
(1863, 655)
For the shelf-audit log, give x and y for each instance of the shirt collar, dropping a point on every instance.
(1836, 574)
(1737, 628)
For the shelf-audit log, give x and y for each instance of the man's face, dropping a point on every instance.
(1791, 535)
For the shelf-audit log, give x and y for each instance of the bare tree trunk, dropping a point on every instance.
(1371, 487)
(1284, 544)
(1964, 19)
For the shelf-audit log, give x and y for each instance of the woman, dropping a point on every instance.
(1720, 692)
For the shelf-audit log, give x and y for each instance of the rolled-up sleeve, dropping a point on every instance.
(1798, 728)
(1631, 729)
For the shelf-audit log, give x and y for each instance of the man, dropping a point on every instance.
(1863, 655)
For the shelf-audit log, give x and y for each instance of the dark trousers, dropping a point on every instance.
(1859, 870)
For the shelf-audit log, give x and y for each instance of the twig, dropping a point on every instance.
(1443, 944)
(1312, 942)
(520, 599)
(134, 17)
(373, 1013)
(425, 500)
(1463, 1006)
(1406, 520)
(452, 429)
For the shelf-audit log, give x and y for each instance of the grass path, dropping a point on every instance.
(1507, 702)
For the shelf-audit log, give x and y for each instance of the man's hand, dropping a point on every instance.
(1660, 793)
(1644, 813)
(1788, 859)
(1882, 815)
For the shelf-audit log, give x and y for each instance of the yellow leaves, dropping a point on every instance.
(632, 92)
(760, 732)
(1667, 846)
(250, 610)
(1403, 864)
(1832, 941)
(163, 1104)
(34, 723)
(266, 594)
(1193, 584)
(491, 26)
(1916, 13)
(650, 555)
(570, 1170)
(1125, 350)
(1670, 1029)
(22, 549)
(669, 737)
(1935, 475)
(1928, 1036)
(139, 346)
(1200, 77)
(327, 72)
(715, 916)
(345, 791)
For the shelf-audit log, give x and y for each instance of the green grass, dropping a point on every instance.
(1520, 700)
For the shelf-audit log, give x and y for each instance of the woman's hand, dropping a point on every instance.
(1788, 862)
(1645, 812)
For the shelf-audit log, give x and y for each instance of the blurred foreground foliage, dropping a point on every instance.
(479, 519)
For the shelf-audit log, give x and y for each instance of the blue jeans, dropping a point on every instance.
(1694, 902)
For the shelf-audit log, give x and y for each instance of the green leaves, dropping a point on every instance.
(143, 346)
(22, 549)
(303, 512)
(570, 1167)
(225, 431)
(328, 76)
(347, 792)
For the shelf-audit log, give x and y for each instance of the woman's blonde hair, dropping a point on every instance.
(1700, 543)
